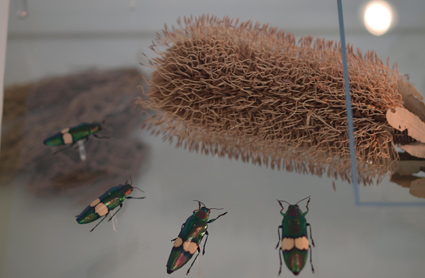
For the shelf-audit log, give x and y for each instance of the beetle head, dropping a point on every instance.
(125, 188)
(95, 127)
(202, 213)
(293, 210)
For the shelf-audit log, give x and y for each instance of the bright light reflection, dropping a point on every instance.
(378, 16)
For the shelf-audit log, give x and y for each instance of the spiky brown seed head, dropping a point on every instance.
(401, 137)
(251, 91)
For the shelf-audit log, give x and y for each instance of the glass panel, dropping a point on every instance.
(78, 62)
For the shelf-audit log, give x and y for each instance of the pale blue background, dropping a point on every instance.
(40, 238)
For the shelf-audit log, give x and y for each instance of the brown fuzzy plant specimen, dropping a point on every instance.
(39, 109)
(253, 92)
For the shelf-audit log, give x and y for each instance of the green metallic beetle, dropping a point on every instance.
(294, 241)
(73, 134)
(104, 204)
(190, 236)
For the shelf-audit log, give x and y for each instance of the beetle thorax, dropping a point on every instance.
(94, 127)
(202, 214)
(126, 189)
(293, 210)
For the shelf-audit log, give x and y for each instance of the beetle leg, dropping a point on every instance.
(100, 137)
(77, 146)
(308, 202)
(205, 243)
(62, 149)
(99, 222)
(281, 211)
(312, 241)
(115, 213)
(278, 233)
(280, 259)
(71, 146)
(174, 239)
(199, 251)
(311, 262)
(212, 220)
(311, 236)
(129, 197)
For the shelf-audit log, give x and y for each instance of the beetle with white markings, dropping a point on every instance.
(190, 236)
(71, 135)
(109, 200)
(294, 241)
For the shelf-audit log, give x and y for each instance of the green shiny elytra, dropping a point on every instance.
(294, 241)
(109, 200)
(190, 236)
(73, 134)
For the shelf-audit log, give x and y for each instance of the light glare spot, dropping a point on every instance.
(378, 17)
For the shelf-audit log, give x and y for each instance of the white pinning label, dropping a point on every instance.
(82, 150)
(190, 246)
(95, 202)
(287, 243)
(67, 138)
(301, 243)
(101, 209)
(178, 242)
(65, 130)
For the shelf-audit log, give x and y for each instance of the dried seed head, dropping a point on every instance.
(251, 92)
(401, 137)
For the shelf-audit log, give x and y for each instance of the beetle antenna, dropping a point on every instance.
(217, 208)
(285, 202)
(139, 189)
(303, 199)
(200, 203)
(131, 181)
(102, 124)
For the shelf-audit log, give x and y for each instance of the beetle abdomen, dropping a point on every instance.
(95, 210)
(55, 140)
(87, 216)
(295, 259)
(177, 259)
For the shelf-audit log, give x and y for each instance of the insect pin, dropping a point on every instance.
(104, 204)
(294, 240)
(190, 236)
(69, 136)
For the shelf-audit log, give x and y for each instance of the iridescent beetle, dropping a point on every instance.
(294, 241)
(73, 134)
(190, 236)
(104, 204)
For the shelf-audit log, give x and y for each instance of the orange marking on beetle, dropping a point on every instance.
(287, 243)
(95, 202)
(302, 243)
(190, 247)
(101, 209)
(67, 138)
(178, 242)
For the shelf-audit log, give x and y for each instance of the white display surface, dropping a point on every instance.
(40, 238)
